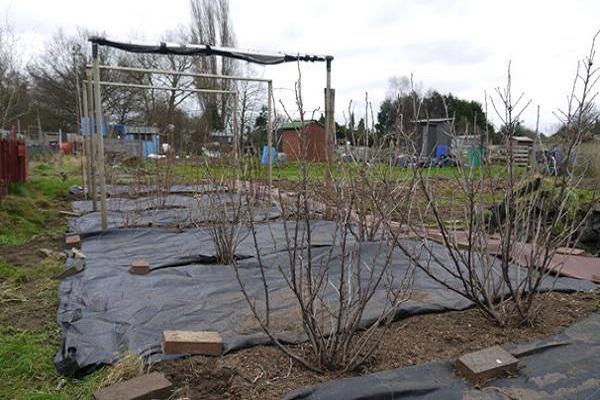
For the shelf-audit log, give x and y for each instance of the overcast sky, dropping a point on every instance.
(460, 46)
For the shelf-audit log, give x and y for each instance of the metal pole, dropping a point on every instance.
(270, 133)
(236, 138)
(173, 89)
(92, 141)
(328, 117)
(98, 104)
(190, 74)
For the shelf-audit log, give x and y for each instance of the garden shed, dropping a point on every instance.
(139, 140)
(291, 140)
(434, 136)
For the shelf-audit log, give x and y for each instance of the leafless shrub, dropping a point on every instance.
(534, 218)
(331, 288)
(224, 212)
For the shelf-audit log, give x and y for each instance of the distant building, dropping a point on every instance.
(222, 137)
(434, 136)
(522, 148)
(293, 135)
(138, 141)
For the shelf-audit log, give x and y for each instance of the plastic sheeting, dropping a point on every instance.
(566, 366)
(104, 311)
(173, 210)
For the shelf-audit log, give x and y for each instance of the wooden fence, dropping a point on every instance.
(13, 160)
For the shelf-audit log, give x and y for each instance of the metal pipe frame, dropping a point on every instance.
(96, 67)
(174, 89)
(151, 71)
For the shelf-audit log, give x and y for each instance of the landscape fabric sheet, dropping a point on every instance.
(566, 366)
(105, 311)
(172, 210)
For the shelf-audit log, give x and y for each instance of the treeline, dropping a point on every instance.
(45, 93)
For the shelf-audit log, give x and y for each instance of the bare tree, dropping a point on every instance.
(251, 96)
(211, 25)
(14, 102)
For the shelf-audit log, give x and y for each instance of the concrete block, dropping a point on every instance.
(487, 364)
(139, 267)
(154, 386)
(190, 342)
(73, 241)
(75, 268)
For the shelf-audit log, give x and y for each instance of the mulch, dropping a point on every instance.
(264, 372)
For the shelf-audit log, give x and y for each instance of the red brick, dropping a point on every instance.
(154, 386)
(190, 342)
(73, 241)
(139, 267)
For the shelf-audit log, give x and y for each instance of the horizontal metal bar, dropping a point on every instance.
(134, 85)
(180, 73)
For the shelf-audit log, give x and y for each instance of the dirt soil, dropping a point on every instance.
(29, 253)
(263, 372)
(32, 304)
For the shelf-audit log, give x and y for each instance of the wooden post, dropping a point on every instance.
(84, 149)
(92, 141)
(98, 104)
(270, 134)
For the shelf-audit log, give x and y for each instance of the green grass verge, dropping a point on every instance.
(29, 335)
(32, 208)
(28, 372)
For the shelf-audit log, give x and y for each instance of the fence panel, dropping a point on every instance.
(13, 160)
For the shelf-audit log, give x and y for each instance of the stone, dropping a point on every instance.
(192, 342)
(53, 254)
(154, 386)
(487, 364)
(77, 253)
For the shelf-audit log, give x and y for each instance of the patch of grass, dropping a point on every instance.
(12, 274)
(31, 208)
(26, 355)
(292, 171)
(28, 372)
(29, 335)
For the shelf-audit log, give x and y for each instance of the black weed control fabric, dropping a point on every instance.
(174, 210)
(105, 311)
(566, 366)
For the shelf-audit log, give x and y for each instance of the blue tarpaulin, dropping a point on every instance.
(265, 155)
